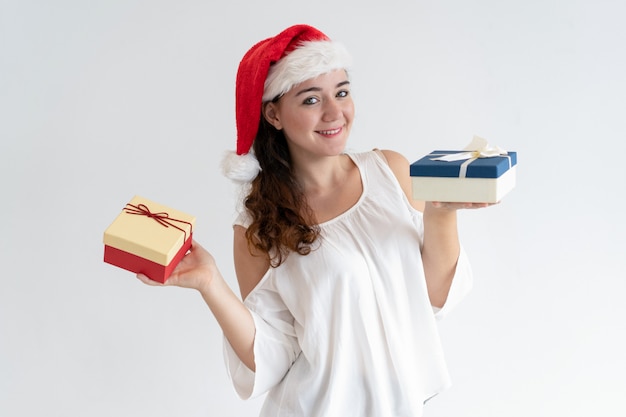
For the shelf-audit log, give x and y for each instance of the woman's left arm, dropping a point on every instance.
(441, 247)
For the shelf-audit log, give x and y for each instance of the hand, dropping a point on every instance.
(196, 270)
(458, 206)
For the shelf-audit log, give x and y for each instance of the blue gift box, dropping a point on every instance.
(481, 179)
(492, 167)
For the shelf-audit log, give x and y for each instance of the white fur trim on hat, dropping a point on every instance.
(308, 60)
(240, 168)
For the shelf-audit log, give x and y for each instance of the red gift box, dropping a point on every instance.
(148, 238)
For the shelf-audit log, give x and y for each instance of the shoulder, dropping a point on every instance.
(400, 167)
(396, 160)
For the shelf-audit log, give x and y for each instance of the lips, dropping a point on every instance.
(329, 132)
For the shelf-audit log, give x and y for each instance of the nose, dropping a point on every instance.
(332, 110)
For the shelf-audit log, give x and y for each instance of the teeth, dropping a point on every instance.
(330, 132)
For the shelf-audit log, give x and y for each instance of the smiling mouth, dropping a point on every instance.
(330, 132)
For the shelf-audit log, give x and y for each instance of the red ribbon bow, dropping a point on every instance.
(162, 217)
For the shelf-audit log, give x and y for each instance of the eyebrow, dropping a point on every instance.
(308, 90)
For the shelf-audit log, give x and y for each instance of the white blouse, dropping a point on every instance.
(348, 330)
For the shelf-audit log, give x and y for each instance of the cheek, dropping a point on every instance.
(294, 123)
(349, 111)
(302, 120)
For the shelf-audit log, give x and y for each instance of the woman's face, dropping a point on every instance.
(315, 116)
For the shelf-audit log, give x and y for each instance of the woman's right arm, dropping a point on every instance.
(198, 270)
(273, 345)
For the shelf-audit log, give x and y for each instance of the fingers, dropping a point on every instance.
(143, 278)
(458, 206)
(193, 271)
(195, 245)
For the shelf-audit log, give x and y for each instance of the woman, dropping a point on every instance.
(342, 274)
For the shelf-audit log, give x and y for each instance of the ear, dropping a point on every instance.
(270, 112)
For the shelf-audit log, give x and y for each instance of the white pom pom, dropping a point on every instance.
(240, 168)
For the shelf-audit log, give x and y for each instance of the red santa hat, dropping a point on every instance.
(268, 70)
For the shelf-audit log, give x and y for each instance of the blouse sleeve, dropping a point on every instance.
(275, 344)
(461, 282)
(461, 286)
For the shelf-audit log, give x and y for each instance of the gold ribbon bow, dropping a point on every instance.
(477, 148)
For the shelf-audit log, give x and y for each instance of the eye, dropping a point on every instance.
(310, 100)
(343, 93)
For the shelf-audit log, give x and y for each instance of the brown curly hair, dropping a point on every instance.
(282, 221)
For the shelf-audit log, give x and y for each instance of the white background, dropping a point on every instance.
(102, 100)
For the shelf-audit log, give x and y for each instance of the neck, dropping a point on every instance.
(323, 174)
